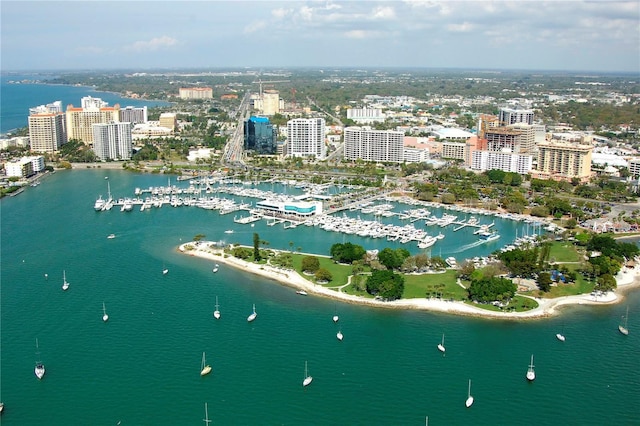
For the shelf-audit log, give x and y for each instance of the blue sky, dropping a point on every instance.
(535, 35)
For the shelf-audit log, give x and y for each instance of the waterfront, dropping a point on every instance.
(142, 366)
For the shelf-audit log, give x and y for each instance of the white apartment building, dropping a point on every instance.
(268, 102)
(112, 141)
(413, 154)
(47, 131)
(454, 150)
(634, 168)
(25, 166)
(306, 138)
(515, 115)
(195, 93)
(89, 102)
(505, 161)
(134, 115)
(81, 120)
(365, 115)
(384, 146)
(53, 107)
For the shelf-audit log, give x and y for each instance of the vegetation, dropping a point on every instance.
(385, 284)
(488, 290)
(347, 252)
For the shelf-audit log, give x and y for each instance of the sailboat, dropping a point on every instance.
(65, 284)
(531, 374)
(441, 347)
(469, 402)
(623, 328)
(206, 414)
(335, 316)
(560, 336)
(105, 317)
(340, 336)
(204, 369)
(253, 315)
(215, 268)
(165, 271)
(39, 370)
(307, 379)
(216, 313)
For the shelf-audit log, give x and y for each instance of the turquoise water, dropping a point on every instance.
(142, 367)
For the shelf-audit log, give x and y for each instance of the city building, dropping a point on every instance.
(25, 166)
(386, 146)
(505, 161)
(454, 150)
(53, 107)
(365, 115)
(634, 168)
(169, 120)
(563, 161)
(305, 138)
(515, 115)
(81, 120)
(517, 138)
(268, 102)
(260, 135)
(47, 131)
(112, 141)
(294, 209)
(195, 93)
(135, 115)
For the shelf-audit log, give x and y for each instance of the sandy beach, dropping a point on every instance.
(627, 279)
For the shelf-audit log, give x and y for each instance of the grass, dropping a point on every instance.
(421, 286)
(517, 304)
(562, 251)
(340, 273)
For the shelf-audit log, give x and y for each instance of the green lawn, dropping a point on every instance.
(562, 251)
(340, 273)
(517, 304)
(421, 286)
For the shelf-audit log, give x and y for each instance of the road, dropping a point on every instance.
(233, 150)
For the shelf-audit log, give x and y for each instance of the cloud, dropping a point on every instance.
(465, 27)
(361, 34)
(281, 13)
(383, 13)
(254, 27)
(155, 43)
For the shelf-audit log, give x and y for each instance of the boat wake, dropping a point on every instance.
(469, 246)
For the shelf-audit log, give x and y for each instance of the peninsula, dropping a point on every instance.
(626, 279)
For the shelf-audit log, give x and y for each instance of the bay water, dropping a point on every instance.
(142, 366)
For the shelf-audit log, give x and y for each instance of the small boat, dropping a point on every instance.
(106, 177)
(215, 268)
(469, 402)
(302, 292)
(335, 316)
(216, 313)
(105, 317)
(560, 337)
(204, 368)
(531, 374)
(229, 231)
(111, 236)
(340, 336)
(441, 347)
(165, 271)
(307, 379)
(65, 284)
(623, 328)
(253, 315)
(39, 370)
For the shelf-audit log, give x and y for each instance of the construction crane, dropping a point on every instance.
(268, 82)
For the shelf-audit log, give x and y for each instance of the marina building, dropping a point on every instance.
(305, 138)
(260, 135)
(563, 161)
(294, 209)
(135, 115)
(195, 93)
(385, 146)
(112, 141)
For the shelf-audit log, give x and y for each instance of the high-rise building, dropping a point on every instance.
(260, 135)
(81, 120)
(505, 161)
(365, 115)
(517, 138)
(563, 161)
(89, 102)
(515, 115)
(268, 102)
(47, 131)
(168, 120)
(53, 107)
(305, 138)
(385, 146)
(195, 93)
(135, 115)
(112, 141)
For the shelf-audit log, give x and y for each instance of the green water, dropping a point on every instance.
(142, 367)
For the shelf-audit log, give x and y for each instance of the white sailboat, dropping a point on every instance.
(215, 268)
(165, 271)
(65, 284)
(560, 336)
(531, 374)
(307, 379)
(340, 336)
(623, 328)
(469, 402)
(216, 313)
(105, 317)
(204, 368)
(335, 316)
(441, 347)
(39, 369)
(206, 414)
(253, 315)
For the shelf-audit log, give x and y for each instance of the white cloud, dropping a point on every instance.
(281, 13)
(254, 27)
(465, 27)
(361, 34)
(155, 43)
(384, 13)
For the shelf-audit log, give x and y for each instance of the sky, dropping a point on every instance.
(568, 35)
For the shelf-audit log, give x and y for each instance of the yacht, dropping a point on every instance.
(99, 205)
(531, 374)
(451, 261)
(253, 315)
(340, 336)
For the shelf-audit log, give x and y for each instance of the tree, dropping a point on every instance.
(544, 281)
(606, 282)
(386, 284)
(256, 247)
(323, 275)
(198, 237)
(310, 264)
(488, 290)
(347, 252)
(393, 259)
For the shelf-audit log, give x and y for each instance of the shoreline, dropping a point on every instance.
(627, 279)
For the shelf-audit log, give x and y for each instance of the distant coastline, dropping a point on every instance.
(627, 279)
